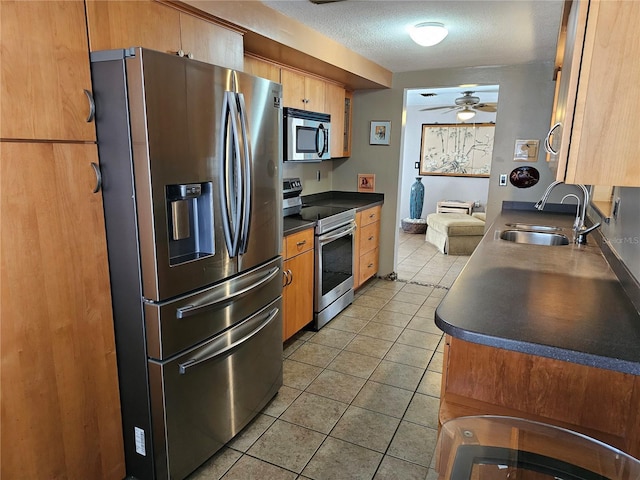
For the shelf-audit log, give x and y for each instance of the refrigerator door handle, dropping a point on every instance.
(230, 181)
(190, 310)
(222, 346)
(247, 173)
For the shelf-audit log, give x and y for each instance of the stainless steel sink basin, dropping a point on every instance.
(534, 238)
(538, 228)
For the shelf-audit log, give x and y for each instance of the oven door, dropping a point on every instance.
(334, 265)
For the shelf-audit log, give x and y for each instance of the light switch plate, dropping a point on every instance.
(503, 179)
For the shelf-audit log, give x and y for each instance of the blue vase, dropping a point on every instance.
(416, 200)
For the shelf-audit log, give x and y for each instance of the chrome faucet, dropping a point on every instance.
(579, 228)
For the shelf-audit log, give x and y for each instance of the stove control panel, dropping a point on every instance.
(291, 190)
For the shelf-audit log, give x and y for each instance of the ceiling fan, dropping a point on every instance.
(321, 2)
(467, 102)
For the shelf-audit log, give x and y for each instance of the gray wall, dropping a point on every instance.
(524, 111)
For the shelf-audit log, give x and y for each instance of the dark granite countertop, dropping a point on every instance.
(334, 198)
(562, 302)
(359, 201)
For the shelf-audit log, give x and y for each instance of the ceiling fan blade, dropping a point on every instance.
(434, 108)
(486, 107)
(321, 2)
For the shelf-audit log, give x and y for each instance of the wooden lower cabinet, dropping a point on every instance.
(298, 282)
(60, 401)
(482, 380)
(367, 241)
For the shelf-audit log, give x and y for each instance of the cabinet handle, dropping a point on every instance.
(92, 106)
(372, 215)
(286, 278)
(370, 265)
(290, 277)
(303, 242)
(96, 170)
(547, 141)
(371, 237)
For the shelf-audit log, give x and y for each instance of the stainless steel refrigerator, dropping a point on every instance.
(190, 162)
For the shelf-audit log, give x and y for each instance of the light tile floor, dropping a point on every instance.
(360, 397)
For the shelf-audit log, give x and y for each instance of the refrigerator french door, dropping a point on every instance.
(189, 156)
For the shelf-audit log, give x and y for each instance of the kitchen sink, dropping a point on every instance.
(534, 238)
(537, 228)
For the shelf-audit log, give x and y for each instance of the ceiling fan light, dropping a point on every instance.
(428, 34)
(465, 114)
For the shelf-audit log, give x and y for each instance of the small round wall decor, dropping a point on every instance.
(524, 177)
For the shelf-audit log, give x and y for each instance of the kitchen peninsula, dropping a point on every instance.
(545, 333)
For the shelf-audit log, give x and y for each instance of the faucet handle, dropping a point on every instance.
(582, 234)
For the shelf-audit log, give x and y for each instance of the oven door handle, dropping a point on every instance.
(227, 337)
(341, 232)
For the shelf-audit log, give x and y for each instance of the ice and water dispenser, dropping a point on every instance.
(190, 221)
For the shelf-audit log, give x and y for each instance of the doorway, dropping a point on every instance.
(417, 260)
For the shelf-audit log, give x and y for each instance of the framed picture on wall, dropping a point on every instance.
(458, 149)
(366, 182)
(380, 133)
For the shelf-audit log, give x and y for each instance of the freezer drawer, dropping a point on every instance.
(172, 327)
(203, 398)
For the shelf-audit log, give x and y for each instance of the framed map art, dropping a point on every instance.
(459, 149)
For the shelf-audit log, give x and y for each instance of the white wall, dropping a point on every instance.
(435, 187)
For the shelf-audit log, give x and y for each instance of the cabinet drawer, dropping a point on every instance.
(368, 265)
(369, 237)
(298, 243)
(370, 215)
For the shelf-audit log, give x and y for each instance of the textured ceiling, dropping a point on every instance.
(481, 32)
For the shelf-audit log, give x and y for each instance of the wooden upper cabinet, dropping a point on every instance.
(334, 105)
(211, 43)
(598, 115)
(44, 71)
(124, 24)
(302, 92)
(262, 68)
(60, 401)
(149, 24)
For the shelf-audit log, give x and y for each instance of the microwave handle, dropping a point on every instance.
(322, 143)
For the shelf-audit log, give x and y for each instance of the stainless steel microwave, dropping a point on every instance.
(306, 135)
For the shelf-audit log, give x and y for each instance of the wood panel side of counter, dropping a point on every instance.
(478, 379)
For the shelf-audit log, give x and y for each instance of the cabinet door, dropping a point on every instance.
(60, 402)
(293, 89)
(44, 70)
(298, 295)
(368, 266)
(260, 68)
(211, 43)
(124, 24)
(562, 117)
(603, 148)
(334, 101)
(315, 94)
(300, 91)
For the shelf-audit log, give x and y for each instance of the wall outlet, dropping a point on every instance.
(503, 179)
(318, 175)
(416, 165)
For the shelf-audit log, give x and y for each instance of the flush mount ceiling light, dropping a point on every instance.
(428, 34)
(465, 114)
